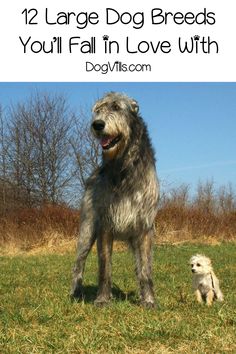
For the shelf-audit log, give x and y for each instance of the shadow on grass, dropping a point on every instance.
(89, 293)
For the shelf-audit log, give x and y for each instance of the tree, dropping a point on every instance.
(86, 152)
(46, 152)
(3, 164)
(40, 150)
(205, 199)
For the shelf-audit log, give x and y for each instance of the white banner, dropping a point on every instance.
(118, 41)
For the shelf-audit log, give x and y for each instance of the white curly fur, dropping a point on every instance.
(205, 282)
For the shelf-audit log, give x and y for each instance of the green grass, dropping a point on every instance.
(38, 317)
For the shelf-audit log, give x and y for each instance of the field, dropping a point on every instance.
(37, 315)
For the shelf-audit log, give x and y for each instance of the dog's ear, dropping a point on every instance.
(97, 106)
(94, 108)
(134, 106)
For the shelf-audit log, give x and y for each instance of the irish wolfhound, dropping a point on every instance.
(121, 196)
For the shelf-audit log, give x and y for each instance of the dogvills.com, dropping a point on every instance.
(117, 66)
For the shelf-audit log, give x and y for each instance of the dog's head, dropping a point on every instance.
(112, 121)
(200, 264)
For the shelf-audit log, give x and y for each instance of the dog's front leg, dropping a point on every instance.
(198, 296)
(209, 297)
(104, 247)
(87, 237)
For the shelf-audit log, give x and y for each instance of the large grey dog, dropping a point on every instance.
(121, 196)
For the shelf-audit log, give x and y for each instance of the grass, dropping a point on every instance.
(38, 317)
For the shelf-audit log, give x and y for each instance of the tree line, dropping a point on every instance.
(46, 152)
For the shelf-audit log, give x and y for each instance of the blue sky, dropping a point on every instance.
(192, 125)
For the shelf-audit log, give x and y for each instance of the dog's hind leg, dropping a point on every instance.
(142, 248)
(219, 295)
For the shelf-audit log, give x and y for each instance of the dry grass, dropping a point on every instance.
(209, 217)
(36, 228)
(177, 224)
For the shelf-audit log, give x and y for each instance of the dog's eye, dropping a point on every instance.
(198, 265)
(97, 111)
(115, 107)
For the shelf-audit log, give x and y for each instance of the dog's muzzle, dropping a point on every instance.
(107, 141)
(98, 125)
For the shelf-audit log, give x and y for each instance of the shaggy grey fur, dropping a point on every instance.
(121, 196)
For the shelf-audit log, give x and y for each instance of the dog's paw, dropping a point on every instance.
(101, 302)
(148, 304)
(76, 294)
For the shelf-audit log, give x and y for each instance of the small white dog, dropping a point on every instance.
(205, 282)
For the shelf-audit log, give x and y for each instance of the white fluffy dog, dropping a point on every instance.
(205, 282)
